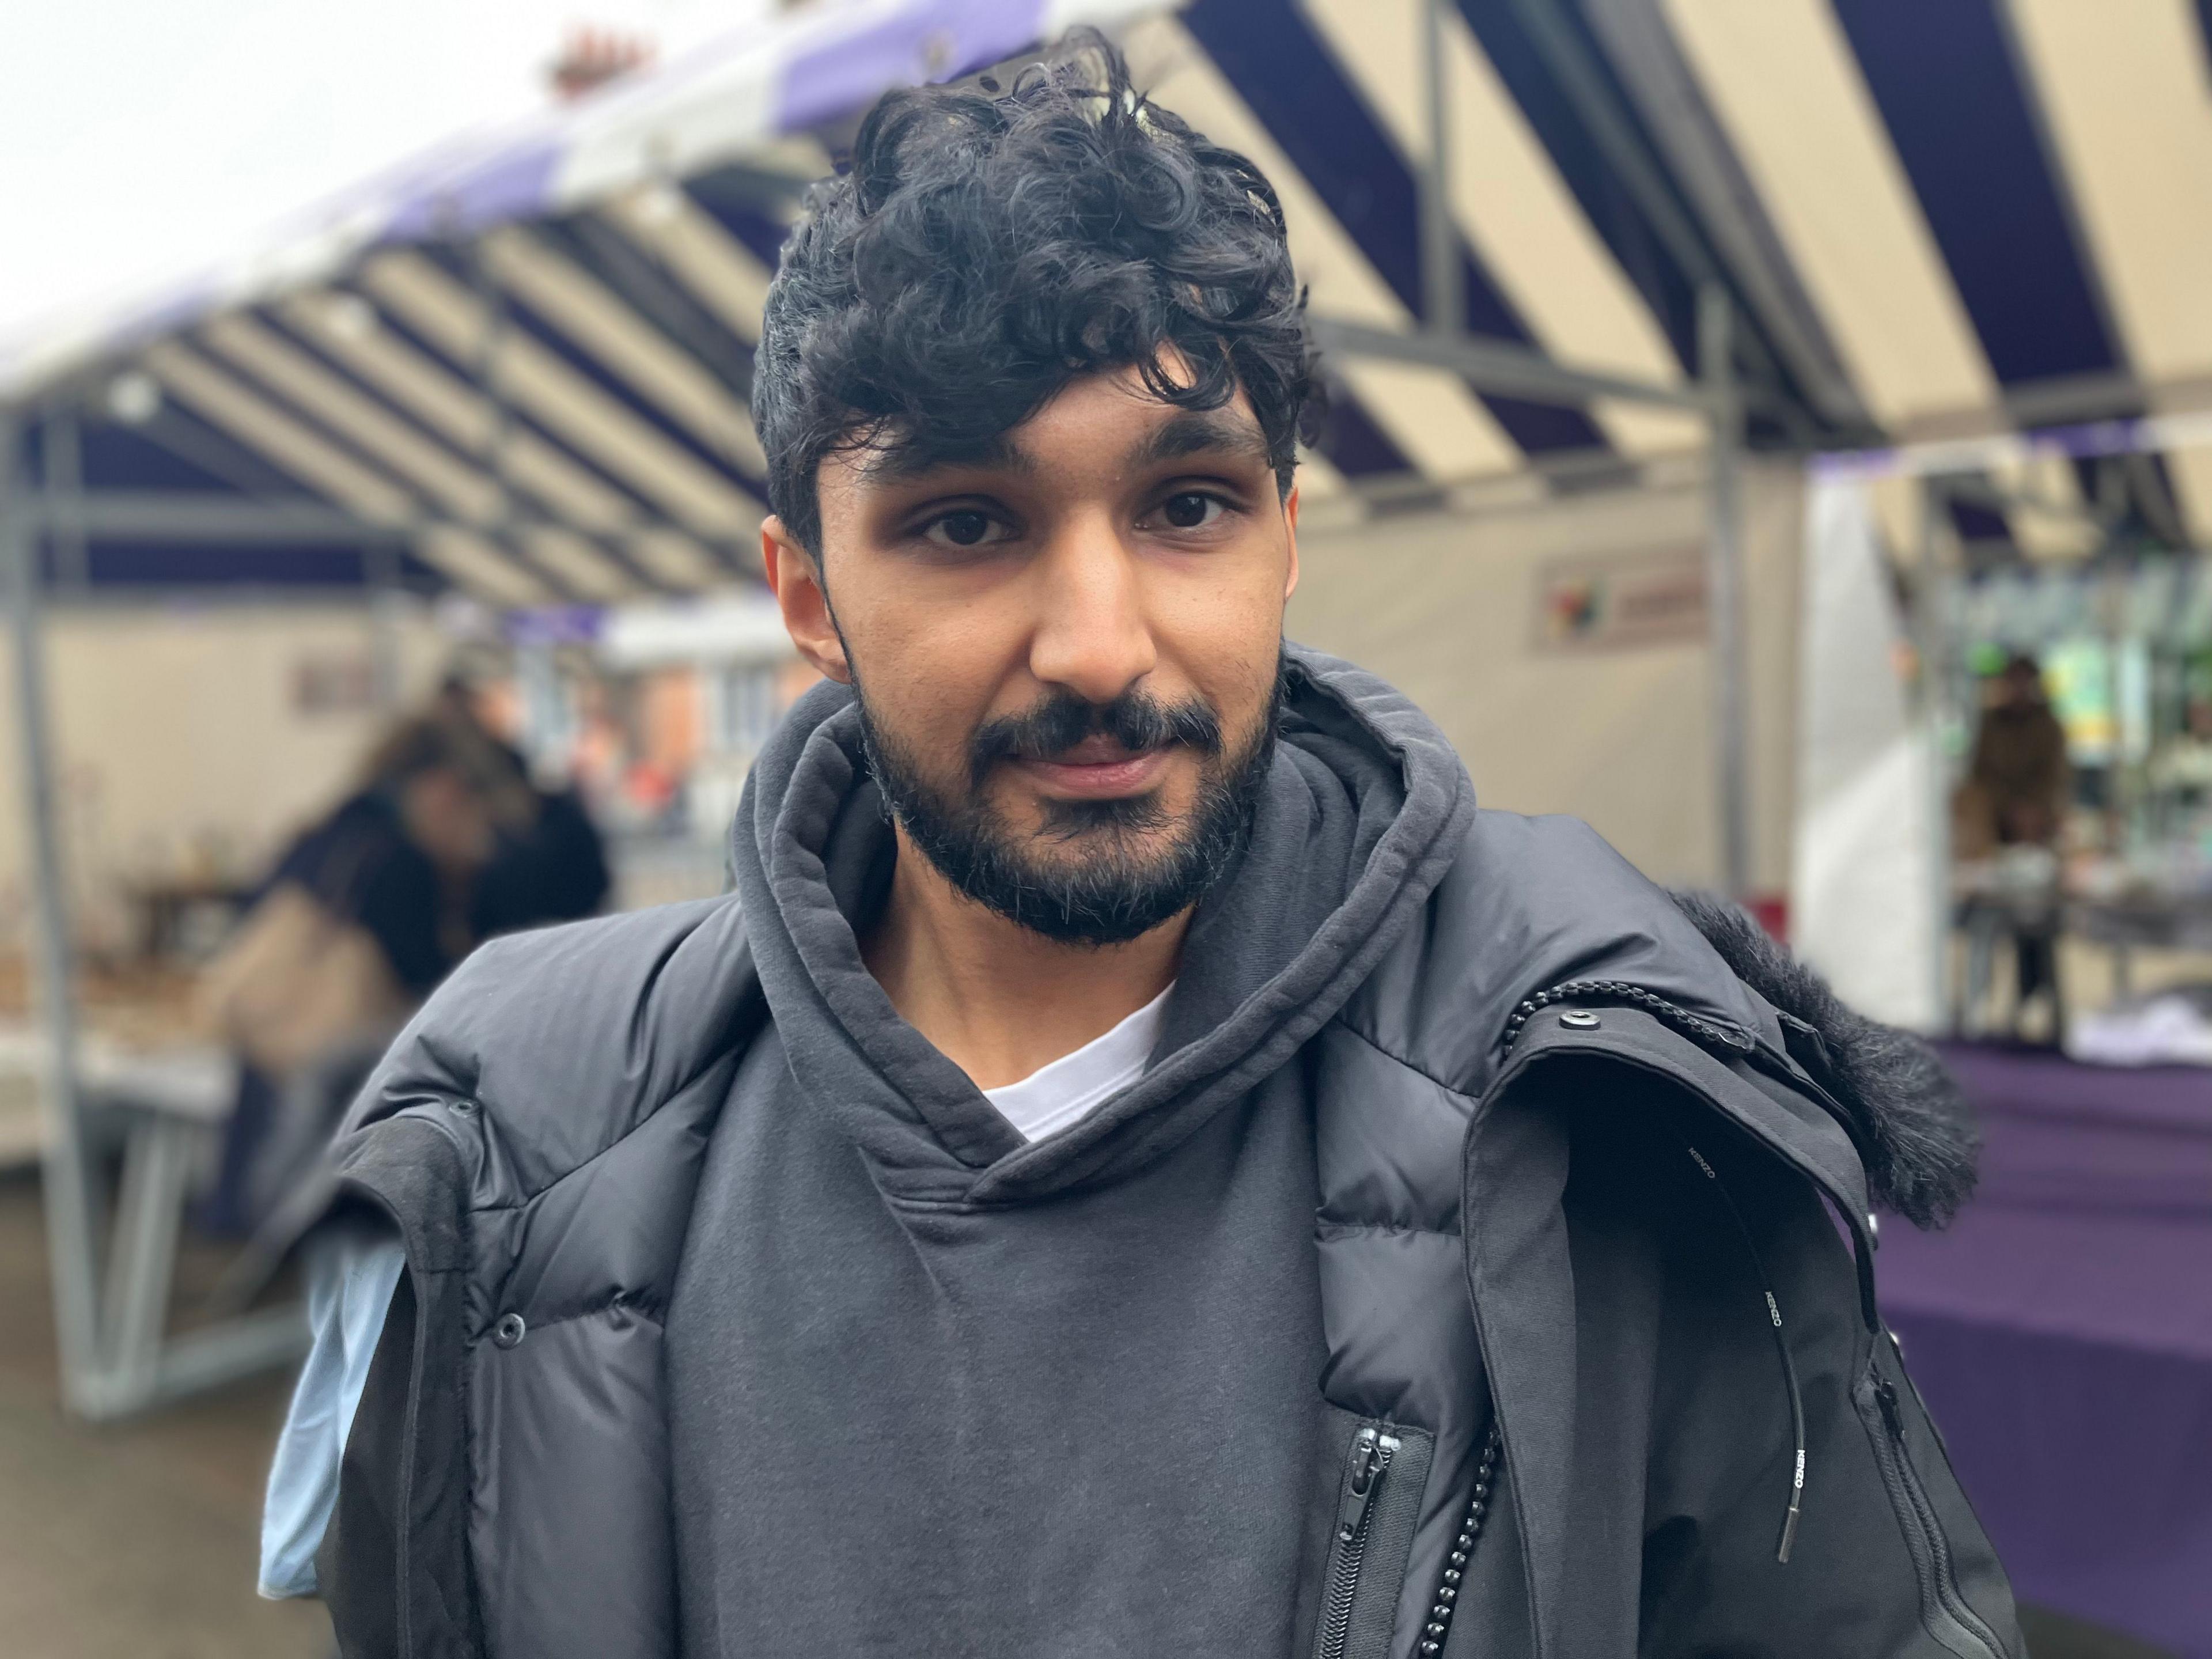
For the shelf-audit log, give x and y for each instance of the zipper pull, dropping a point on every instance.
(1885, 1394)
(1370, 1457)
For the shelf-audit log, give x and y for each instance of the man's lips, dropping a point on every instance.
(1099, 770)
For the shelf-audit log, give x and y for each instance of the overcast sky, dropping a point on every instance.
(144, 139)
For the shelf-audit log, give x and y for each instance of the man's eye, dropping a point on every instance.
(969, 527)
(1190, 511)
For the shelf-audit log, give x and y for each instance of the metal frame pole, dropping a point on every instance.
(387, 670)
(1500, 366)
(491, 354)
(1931, 628)
(66, 1191)
(174, 518)
(1441, 278)
(62, 472)
(1724, 588)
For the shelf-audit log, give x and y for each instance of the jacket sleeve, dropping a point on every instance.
(358, 1565)
(394, 1566)
(1886, 1559)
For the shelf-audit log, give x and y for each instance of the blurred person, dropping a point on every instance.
(1141, 1165)
(549, 864)
(443, 843)
(2020, 773)
(2018, 787)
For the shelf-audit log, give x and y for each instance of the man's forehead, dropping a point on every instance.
(1138, 428)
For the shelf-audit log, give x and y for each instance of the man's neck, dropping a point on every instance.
(998, 1000)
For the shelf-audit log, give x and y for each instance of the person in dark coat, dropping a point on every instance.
(2019, 769)
(448, 842)
(443, 843)
(2017, 788)
(1142, 1165)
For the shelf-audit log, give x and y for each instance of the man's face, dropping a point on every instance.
(1067, 649)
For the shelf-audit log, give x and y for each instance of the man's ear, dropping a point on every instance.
(1290, 520)
(796, 581)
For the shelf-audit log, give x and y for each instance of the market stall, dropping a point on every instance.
(1572, 256)
(517, 370)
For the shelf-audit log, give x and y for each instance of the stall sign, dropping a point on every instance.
(1622, 601)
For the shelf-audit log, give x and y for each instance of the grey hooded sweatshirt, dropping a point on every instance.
(936, 1390)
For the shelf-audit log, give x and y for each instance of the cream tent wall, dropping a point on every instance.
(176, 722)
(1447, 607)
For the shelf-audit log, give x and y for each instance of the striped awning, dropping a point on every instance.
(528, 357)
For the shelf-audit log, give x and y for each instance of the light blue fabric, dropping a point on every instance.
(351, 1279)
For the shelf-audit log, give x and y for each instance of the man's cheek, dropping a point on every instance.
(941, 746)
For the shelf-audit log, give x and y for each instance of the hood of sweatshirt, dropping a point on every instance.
(1362, 810)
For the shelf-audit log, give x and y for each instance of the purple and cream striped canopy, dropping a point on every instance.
(1965, 219)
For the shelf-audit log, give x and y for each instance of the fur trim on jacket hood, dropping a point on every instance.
(1914, 1129)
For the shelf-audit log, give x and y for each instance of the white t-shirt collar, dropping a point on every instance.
(1069, 1089)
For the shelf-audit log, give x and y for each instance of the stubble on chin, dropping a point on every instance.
(1090, 871)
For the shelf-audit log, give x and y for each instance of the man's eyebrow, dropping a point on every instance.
(896, 460)
(901, 460)
(1202, 432)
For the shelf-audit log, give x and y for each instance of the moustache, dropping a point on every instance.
(1135, 720)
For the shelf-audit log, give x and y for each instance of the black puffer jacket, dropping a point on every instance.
(1605, 1371)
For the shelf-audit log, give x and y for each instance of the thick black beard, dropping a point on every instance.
(1113, 894)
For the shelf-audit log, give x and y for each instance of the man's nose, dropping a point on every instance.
(1092, 636)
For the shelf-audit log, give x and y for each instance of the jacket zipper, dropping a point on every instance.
(1713, 1033)
(1924, 1536)
(1445, 1600)
(1365, 1473)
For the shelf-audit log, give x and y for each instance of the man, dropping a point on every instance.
(1141, 1166)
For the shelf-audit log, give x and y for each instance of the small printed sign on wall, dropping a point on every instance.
(334, 685)
(1622, 601)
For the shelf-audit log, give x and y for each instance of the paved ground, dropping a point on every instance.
(134, 1541)
(137, 1542)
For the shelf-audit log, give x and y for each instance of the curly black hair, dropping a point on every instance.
(986, 247)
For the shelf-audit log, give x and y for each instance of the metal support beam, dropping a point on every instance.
(1441, 285)
(1632, 40)
(63, 467)
(2156, 504)
(1541, 477)
(2067, 398)
(1633, 166)
(1983, 493)
(498, 326)
(1497, 366)
(189, 517)
(66, 1190)
(114, 1357)
(386, 601)
(1930, 624)
(764, 185)
(1724, 589)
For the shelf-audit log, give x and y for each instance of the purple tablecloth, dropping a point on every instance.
(2062, 1334)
